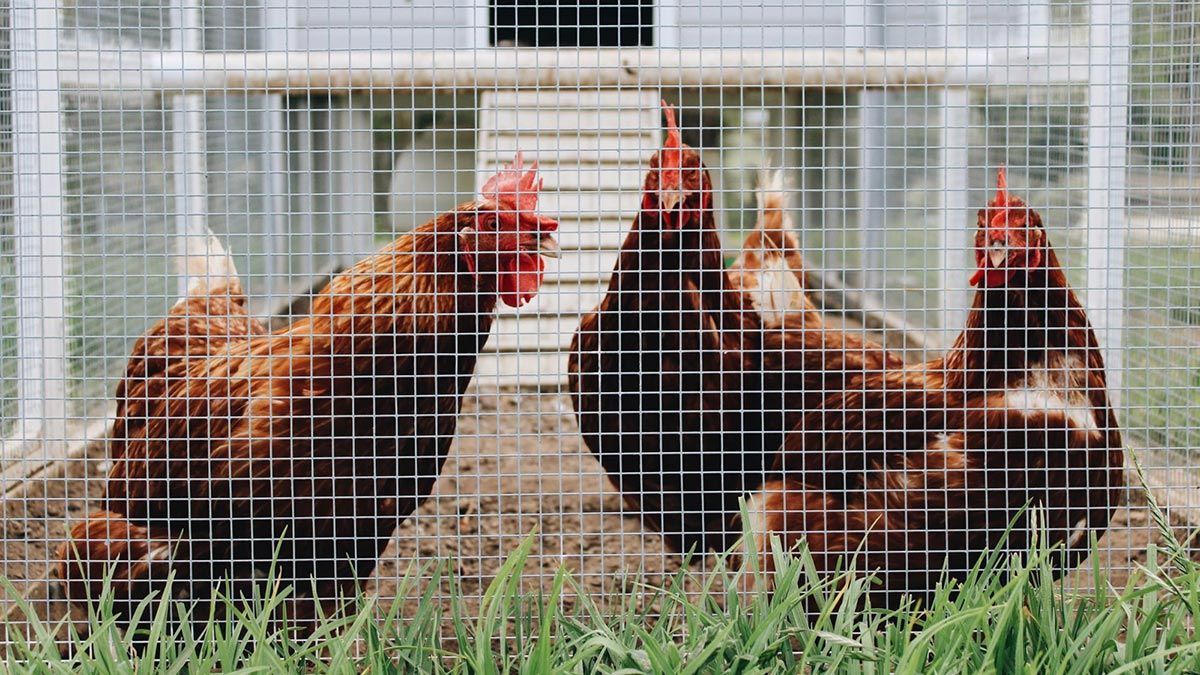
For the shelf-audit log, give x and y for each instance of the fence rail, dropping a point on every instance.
(179, 72)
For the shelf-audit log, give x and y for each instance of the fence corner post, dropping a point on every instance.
(38, 228)
(1108, 120)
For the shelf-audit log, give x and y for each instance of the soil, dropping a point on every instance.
(518, 469)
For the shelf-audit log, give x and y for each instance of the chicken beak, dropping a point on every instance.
(669, 199)
(548, 247)
(997, 254)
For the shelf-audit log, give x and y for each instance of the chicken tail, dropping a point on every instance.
(774, 226)
(135, 560)
(206, 265)
(770, 264)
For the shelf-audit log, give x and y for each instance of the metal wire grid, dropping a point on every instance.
(300, 182)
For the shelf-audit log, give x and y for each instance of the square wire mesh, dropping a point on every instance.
(306, 135)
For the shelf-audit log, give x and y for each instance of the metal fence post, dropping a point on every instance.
(1108, 119)
(350, 180)
(38, 210)
(190, 146)
(957, 220)
(865, 30)
(956, 207)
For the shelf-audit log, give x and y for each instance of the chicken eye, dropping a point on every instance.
(485, 222)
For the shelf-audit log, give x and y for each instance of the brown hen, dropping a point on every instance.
(682, 388)
(232, 444)
(921, 470)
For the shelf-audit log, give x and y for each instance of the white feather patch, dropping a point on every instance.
(1052, 390)
(778, 290)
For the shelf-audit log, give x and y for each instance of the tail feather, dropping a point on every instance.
(770, 267)
(136, 560)
(774, 224)
(206, 265)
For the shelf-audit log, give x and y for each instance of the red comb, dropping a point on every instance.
(513, 188)
(515, 194)
(1001, 201)
(672, 147)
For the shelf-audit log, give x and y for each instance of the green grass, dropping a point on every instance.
(1022, 622)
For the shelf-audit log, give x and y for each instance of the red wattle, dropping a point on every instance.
(520, 277)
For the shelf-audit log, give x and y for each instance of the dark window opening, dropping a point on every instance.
(572, 23)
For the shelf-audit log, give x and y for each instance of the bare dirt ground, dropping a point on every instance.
(518, 467)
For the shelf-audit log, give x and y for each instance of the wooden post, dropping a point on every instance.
(477, 37)
(277, 21)
(1108, 119)
(38, 220)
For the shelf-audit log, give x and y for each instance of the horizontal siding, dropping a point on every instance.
(592, 148)
(583, 175)
(582, 265)
(531, 331)
(592, 233)
(561, 296)
(609, 205)
(566, 148)
(529, 369)
(599, 99)
(566, 120)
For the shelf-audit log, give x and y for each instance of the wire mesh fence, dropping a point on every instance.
(308, 135)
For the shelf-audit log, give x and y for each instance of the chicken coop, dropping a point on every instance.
(308, 135)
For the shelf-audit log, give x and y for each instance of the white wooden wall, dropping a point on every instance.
(592, 148)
